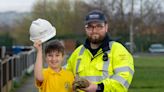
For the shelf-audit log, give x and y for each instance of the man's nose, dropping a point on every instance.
(94, 28)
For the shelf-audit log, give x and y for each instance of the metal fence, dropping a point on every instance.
(15, 67)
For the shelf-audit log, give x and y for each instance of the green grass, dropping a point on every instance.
(149, 74)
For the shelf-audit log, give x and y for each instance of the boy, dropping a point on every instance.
(54, 78)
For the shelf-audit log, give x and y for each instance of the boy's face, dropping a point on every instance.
(54, 59)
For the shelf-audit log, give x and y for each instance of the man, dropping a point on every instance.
(106, 64)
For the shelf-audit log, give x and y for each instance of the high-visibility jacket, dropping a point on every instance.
(115, 72)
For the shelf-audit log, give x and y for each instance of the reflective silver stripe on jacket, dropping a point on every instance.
(110, 44)
(78, 61)
(124, 69)
(94, 78)
(121, 80)
(106, 63)
(106, 66)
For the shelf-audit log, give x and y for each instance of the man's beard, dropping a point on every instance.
(96, 40)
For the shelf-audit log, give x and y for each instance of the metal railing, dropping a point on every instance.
(14, 67)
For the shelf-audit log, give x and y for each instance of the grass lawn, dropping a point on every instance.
(149, 74)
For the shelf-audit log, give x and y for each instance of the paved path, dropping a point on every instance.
(28, 85)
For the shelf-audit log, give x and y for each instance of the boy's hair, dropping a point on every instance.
(54, 45)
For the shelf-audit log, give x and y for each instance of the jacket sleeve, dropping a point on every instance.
(123, 70)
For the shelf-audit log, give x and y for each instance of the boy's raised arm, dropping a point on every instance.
(39, 61)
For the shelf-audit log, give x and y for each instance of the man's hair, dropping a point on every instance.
(54, 45)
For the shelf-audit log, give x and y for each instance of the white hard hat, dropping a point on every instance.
(41, 29)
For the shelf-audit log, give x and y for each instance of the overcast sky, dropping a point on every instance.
(16, 5)
(26, 5)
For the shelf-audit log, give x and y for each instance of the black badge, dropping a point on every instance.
(105, 57)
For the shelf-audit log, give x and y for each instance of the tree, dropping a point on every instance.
(68, 18)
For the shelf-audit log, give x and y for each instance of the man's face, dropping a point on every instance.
(96, 31)
(54, 59)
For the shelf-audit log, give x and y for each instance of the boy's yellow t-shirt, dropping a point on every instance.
(56, 81)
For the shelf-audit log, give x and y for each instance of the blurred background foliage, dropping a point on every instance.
(68, 18)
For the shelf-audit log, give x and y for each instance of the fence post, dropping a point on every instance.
(2, 52)
(10, 73)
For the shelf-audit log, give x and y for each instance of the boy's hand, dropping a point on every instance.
(38, 45)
